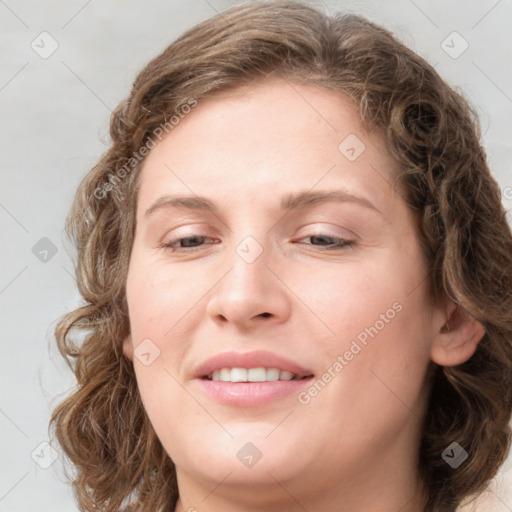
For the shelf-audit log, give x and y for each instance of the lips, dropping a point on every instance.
(250, 378)
(250, 360)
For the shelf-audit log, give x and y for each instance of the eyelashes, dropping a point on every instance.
(339, 243)
(173, 244)
(336, 243)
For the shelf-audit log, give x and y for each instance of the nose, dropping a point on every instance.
(249, 294)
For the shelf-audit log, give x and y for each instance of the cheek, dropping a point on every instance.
(351, 297)
(156, 304)
(379, 318)
(161, 304)
(158, 299)
(383, 338)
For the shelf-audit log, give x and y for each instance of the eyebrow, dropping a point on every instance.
(288, 202)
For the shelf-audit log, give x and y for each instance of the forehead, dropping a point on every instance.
(267, 139)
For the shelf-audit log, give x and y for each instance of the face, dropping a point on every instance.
(295, 259)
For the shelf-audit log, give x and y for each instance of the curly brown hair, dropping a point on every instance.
(432, 133)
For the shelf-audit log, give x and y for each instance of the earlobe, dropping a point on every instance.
(458, 338)
(128, 347)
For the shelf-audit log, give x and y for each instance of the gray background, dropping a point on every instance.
(54, 126)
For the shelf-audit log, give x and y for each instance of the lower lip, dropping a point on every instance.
(247, 394)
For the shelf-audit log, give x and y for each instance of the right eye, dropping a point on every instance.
(190, 242)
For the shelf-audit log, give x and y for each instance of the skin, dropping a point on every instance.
(352, 447)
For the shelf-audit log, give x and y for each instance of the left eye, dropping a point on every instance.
(333, 241)
(192, 242)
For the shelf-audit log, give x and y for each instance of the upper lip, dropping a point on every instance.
(255, 359)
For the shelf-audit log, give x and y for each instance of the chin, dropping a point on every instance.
(248, 457)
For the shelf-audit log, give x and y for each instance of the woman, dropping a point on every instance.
(297, 273)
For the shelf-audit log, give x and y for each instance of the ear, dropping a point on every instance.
(457, 338)
(128, 347)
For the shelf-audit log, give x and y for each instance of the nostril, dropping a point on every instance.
(265, 314)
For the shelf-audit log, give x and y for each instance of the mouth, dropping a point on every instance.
(260, 374)
(251, 378)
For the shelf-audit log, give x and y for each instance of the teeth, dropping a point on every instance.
(225, 375)
(251, 375)
(256, 375)
(238, 375)
(272, 374)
